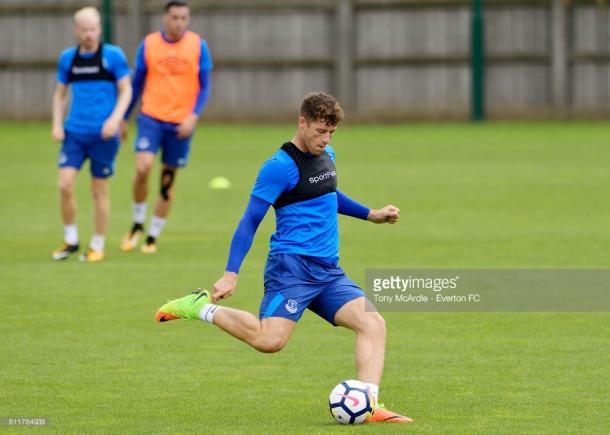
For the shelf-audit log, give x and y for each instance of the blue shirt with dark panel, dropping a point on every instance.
(303, 190)
(92, 78)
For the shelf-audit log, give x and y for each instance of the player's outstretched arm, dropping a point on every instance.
(347, 206)
(240, 245)
(389, 214)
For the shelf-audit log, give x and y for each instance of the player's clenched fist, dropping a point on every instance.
(389, 214)
(58, 134)
(224, 287)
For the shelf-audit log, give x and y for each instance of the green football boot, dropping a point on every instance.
(186, 308)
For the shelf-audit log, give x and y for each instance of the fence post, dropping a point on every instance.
(107, 20)
(343, 77)
(134, 19)
(559, 57)
(477, 62)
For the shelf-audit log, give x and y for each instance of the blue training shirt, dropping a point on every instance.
(92, 100)
(306, 227)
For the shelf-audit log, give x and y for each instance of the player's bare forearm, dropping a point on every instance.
(388, 214)
(124, 98)
(59, 108)
(113, 123)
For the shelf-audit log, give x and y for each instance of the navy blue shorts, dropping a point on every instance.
(154, 134)
(295, 282)
(77, 148)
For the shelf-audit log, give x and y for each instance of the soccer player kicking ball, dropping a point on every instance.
(300, 182)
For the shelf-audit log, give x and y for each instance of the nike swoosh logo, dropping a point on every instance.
(352, 398)
(197, 298)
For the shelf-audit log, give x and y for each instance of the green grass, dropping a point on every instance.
(80, 345)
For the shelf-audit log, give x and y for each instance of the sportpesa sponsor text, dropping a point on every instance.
(322, 177)
(85, 69)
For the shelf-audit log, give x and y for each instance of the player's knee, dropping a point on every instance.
(167, 181)
(142, 174)
(65, 186)
(375, 324)
(142, 170)
(380, 325)
(99, 191)
(270, 344)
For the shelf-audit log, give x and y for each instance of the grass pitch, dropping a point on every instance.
(80, 345)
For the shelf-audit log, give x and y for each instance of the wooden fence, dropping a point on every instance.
(385, 59)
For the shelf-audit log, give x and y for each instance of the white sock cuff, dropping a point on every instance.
(97, 242)
(139, 212)
(374, 389)
(71, 234)
(207, 312)
(156, 226)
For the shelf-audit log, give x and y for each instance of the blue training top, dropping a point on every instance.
(306, 228)
(92, 100)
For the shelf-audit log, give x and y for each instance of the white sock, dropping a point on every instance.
(374, 390)
(156, 226)
(139, 212)
(207, 312)
(71, 234)
(97, 242)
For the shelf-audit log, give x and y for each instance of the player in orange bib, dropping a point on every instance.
(173, 69)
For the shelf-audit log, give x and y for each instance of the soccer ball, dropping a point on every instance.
(350, 402)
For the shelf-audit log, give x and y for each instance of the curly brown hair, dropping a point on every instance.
(322, 107)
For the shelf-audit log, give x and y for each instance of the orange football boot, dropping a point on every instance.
(382, 415)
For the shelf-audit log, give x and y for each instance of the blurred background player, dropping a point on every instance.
(302, 271)
(98, 75)
(173, 69)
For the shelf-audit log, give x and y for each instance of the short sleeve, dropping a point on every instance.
(272, 180)
(205, 63)
(118, 63)
(63, 66)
